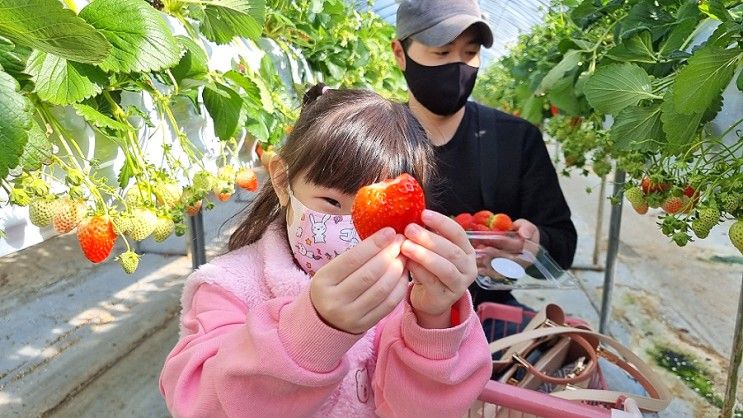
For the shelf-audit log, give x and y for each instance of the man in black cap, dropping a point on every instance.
(487, 159)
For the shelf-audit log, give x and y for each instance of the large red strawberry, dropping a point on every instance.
(501, 222)
(464, 220)
(97, 237)
(395, 203)
(483, 217)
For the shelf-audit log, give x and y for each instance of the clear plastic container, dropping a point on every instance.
(506, 261)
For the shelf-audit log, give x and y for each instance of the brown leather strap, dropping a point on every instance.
(659, 394)
(588, 371)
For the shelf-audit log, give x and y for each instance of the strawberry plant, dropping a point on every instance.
(127, 110)
(640, 68)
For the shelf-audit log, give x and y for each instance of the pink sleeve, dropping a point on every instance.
(440, 371)
(277, 359)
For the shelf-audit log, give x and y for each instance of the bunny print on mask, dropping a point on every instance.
(318, 228)
(313, 239)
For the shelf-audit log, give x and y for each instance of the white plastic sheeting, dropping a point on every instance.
(508, 19)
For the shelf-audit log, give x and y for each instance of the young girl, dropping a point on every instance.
(301, 319)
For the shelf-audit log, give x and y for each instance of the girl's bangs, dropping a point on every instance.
(367, 150)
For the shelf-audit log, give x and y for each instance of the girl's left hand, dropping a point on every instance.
(442, 263)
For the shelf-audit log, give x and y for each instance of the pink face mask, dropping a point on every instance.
(316, 237)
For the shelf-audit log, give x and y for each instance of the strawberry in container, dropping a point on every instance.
(505, 260)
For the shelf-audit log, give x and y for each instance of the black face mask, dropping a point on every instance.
(442, 89)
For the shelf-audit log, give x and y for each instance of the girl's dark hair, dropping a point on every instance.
(344, 139)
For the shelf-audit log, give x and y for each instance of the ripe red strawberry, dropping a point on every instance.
(483, 217)
(649, 187)
(247, 180)
(691, 193)
(501, 222)
(97, 237)
(464, 220)
(395, 203)
(673, 204)
(478, 227)
(554, 110)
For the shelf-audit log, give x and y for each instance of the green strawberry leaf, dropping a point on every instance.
(14, 125)
(46, 26)
(225, 107)
(141, 40)
(725, 34)
(193, 64)
(646, 16)
(637, 128)
(679, 129)
(37, 150)
(569, 62)
(250, 88)
(267, 73)
(739, 81)
(256, 124)
(715, 9)
(563, 96)
(63, 82)
(637, 48)
(678, 35)
(98, 119)
(532, 110)
(617, 86)
(128, 171)
(226, 19)
(708, 71)
(13, 58)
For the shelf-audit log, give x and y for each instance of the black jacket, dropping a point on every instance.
(516, 177)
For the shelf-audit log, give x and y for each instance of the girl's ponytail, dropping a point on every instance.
(313, 93)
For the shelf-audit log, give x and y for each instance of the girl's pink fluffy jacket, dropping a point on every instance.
(252, 345)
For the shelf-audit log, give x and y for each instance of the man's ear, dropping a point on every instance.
(399, 53)
(277, 170)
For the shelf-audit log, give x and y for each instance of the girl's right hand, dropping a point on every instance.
(364, 284)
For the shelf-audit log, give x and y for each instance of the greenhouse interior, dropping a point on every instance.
(393, 208)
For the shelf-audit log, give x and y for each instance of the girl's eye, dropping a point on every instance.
(332, 202)
(441, 53)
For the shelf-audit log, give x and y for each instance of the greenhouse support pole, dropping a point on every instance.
(731, 390)
(599, 222)
(198, 244)
(615, 224)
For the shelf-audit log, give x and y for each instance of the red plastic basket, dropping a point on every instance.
(500, 400)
